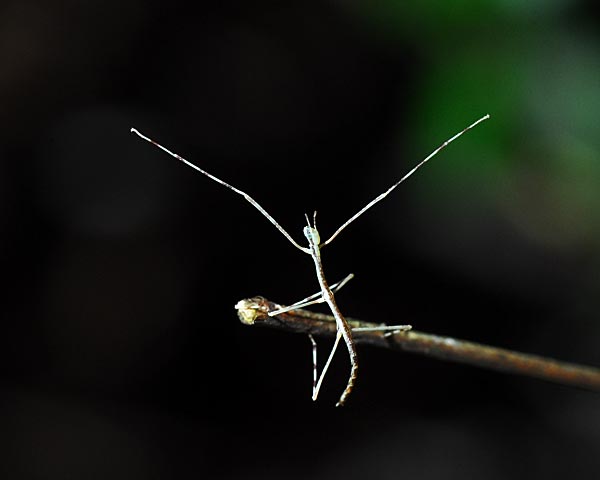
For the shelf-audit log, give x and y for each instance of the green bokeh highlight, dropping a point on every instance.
(536, 163)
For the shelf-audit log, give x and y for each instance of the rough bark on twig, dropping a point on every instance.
(253, 311)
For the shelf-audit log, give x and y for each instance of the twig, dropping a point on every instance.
(253, 311)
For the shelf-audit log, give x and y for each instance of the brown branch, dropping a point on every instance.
(253, 311)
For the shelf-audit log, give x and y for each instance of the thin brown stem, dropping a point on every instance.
(253, 311)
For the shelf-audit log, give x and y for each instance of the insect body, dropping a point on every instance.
(312, 235)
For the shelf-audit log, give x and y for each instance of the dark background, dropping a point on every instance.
(121, 353)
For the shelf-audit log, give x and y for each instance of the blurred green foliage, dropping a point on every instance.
(536, 163)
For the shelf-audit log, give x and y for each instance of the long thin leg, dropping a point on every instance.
(312, 299)
(384, 328)
(317, 384)
(326, 367)
(314, 357)
(345, 330)
(389, 190)
(253, 202)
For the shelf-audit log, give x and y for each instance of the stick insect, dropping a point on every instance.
(326, 293)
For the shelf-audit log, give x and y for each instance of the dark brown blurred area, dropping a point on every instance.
(121, 351)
